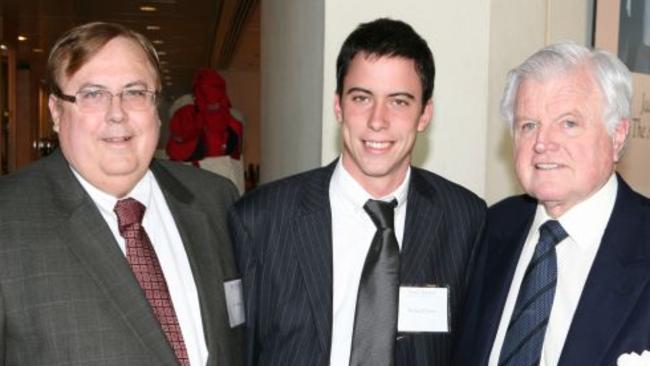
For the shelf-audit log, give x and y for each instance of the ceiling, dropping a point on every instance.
(223, 34)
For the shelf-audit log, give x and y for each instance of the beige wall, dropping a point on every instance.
(291, 86)
(518, 29)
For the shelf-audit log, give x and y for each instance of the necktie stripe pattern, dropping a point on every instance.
(524, 338)
(146, 268)
(375, 318)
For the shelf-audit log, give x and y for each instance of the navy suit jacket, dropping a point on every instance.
(283, 245)
(613, 313)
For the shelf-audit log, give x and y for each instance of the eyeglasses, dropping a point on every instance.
(100, 100)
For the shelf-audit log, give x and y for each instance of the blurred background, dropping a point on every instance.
(188, 34)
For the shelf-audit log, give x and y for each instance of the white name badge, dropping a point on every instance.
(423, 309)
(234, 302)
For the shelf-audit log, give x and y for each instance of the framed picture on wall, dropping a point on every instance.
(623, 28)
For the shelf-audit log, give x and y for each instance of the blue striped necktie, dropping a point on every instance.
(522, 345)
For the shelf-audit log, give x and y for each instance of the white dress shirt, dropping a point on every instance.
(352, 233)
(166, 241)
(585, 223)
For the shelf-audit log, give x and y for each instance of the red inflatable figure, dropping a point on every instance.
(205, 128)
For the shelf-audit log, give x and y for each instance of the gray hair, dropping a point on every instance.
(610, 74)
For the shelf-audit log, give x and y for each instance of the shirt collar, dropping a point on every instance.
(585, 222)
(354, 194)
(141, 192)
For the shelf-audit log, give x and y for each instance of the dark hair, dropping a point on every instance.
(78, 45)
(392, 38)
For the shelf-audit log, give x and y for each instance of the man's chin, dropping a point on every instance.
(121, 169)
(550, 198)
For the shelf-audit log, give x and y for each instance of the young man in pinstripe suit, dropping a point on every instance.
(301, 242)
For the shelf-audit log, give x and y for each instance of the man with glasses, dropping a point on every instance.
(107, 256)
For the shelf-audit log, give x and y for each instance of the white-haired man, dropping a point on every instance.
(564, 273)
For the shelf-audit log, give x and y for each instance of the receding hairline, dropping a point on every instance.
(81, 44)
(65, 74)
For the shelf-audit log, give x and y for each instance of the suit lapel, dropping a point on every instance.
(312, 230)
(203, 244)
(86, 234)
(418, 233)
(503, 254)
(616, 280)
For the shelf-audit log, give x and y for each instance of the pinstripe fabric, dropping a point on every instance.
(67, 294)
(282, 238)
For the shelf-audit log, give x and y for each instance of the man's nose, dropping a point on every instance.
(546, 138)
(378, 117)
(115, 112)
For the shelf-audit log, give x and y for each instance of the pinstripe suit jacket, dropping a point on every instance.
(67, 294)
(282, 238)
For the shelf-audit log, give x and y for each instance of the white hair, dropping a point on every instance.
(610, 74)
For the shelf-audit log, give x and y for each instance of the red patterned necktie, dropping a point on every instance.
(144, 264)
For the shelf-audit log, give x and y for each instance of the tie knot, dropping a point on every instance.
(381, 213)
(128, 211)
(552, 230)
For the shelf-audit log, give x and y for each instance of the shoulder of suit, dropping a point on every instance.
(39, 192)
(513, 202)
(510, 210)
(444, 188)
(191, 174)
(624, 189)
(35, 177)
(285, 189)
(208, 188)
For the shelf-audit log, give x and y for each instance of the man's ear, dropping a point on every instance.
(425, 117)
(55, 110)
(618, 138)
(338, 111)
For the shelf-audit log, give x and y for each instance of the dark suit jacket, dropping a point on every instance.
(283, 244)
(67, 294)
(613, 313)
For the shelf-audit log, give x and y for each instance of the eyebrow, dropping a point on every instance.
(136, 83)
(392, 95)
(402, 94)
(573, 113)
(358, 89)
(99, 86)
(91, 85)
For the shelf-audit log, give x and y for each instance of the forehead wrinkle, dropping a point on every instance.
(129, 48)
(555, 92)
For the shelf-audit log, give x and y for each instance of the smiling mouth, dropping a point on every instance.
(117, 139)
(377, 145)
(546, 166)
